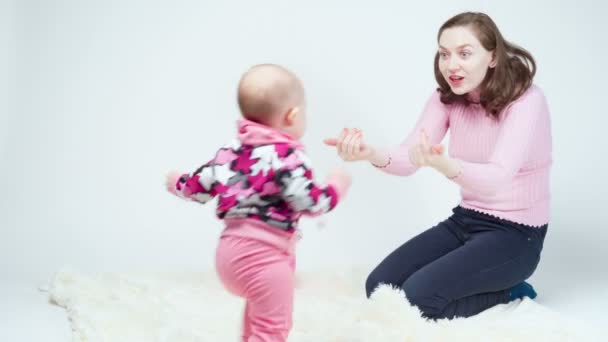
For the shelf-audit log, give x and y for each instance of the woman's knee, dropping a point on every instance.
(370, 284)
(424, 296)
(374, 279)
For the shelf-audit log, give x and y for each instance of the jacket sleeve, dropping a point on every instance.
(301, 191)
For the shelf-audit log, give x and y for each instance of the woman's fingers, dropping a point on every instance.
(330, 141)
(340, 144)
(353, 149)
(437, 149)
(349, 143)
(358, 143)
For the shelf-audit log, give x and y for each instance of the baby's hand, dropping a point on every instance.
(341, 179)
(171, 181)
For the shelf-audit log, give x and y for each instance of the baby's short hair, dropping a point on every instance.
(267, 90)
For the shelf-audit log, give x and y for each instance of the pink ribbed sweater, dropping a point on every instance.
(505, 163)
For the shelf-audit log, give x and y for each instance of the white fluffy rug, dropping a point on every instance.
(329, 307)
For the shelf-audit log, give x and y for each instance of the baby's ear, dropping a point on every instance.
(290, 116)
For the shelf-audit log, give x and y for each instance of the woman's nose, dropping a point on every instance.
(453, 64)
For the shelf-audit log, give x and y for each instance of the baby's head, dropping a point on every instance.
(272, 95)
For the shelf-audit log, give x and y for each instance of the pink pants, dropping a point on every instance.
(263, 274)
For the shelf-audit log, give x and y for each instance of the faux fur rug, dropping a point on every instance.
(329, 307)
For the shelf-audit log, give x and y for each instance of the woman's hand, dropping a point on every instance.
(424, 154)
(350, 145)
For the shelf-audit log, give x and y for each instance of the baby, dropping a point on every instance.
(264, 184)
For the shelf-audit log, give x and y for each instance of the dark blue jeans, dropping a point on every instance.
(462, 266)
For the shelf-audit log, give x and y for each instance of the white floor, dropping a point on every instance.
(585, 300)
(28, 316)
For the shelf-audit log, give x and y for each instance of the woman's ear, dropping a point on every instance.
(493, 61)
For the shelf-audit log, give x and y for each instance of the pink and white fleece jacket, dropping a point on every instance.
(264, 176)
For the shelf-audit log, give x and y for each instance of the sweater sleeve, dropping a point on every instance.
(434, 120)
(519, 123)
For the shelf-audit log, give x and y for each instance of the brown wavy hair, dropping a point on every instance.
(508, 80)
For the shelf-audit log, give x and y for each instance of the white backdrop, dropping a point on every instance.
(101, 98)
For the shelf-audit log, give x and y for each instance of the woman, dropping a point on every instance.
(499, 155)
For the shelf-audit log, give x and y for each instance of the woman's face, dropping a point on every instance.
(463, 61)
